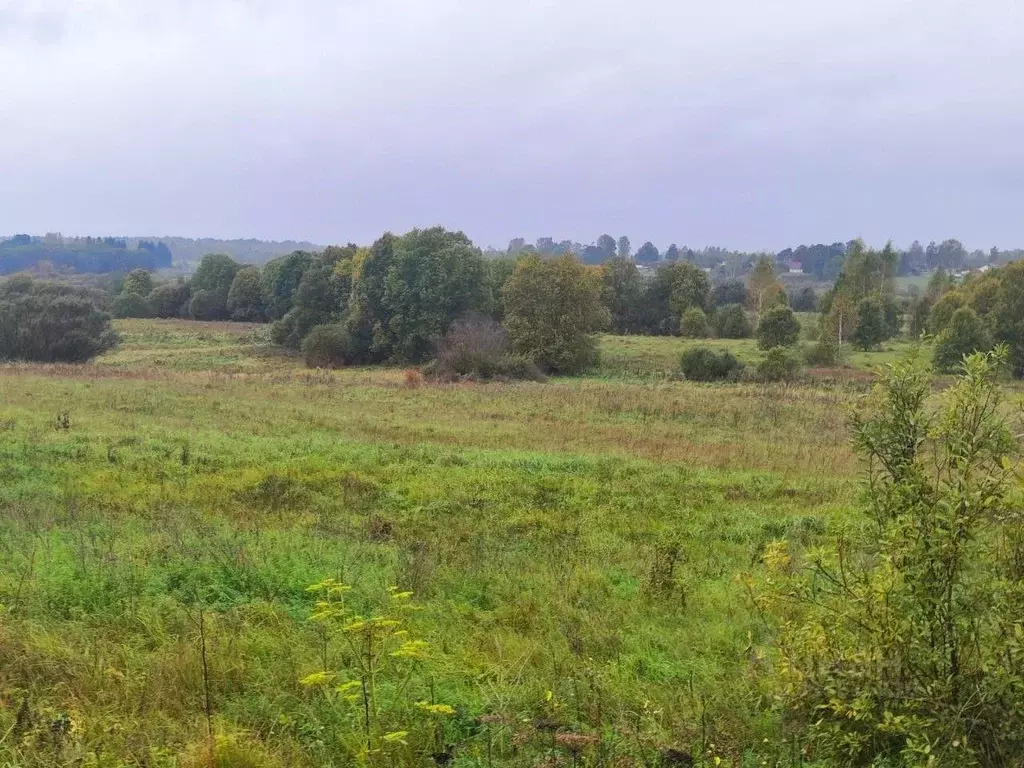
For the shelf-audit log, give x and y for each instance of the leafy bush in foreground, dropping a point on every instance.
(48, 322)
(903, 644)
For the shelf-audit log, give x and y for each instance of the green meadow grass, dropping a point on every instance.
(647, 357)
(574, 548)
(907, 283)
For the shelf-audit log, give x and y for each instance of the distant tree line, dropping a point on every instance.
(22, 253)
(190, 250)
(823, 262)
(607, 248)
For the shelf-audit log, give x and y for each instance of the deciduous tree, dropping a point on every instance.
(138, 281)
(901, 641)
(624, 249)
(762, 284)
(552, 308)
(647, 254)
(245, 298)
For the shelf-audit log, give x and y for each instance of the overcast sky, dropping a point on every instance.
(746, 123)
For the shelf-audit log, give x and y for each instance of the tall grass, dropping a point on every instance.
(573, 547)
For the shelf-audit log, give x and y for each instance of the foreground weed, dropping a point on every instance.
(906, 648)
(373, 682)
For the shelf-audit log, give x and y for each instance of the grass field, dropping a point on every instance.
(573, 548)
(646, 357)
(908, 283)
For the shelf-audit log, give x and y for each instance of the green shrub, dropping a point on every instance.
(704, 364)
(902, 639)
(872, 328)
(291, 329)
(48, 322)
(731, 322)
(131, 305)
(732, 292)
(327, 346)
(920, 308)
(893, 312)
(804, 300)
(823, 354)
(552, 310)
(778, 328)
(245, 298)
(941, 313)
(779, 364)
(694, 324)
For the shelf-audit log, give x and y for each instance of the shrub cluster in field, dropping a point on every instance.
(50, 322)
(704, 364)
(477, 347)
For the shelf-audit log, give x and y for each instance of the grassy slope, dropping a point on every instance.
(536, 523)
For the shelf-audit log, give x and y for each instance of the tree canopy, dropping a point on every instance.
(552, 309)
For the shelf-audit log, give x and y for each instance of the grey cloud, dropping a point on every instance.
(744, 123)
